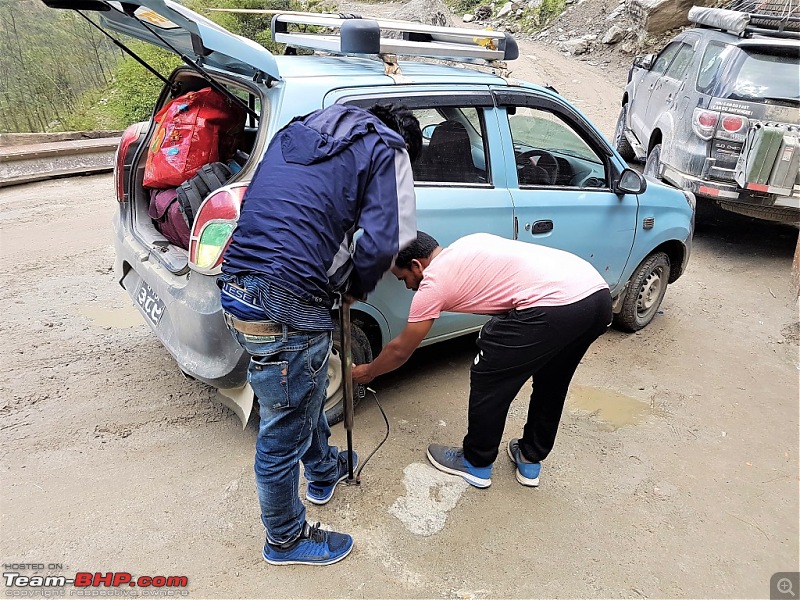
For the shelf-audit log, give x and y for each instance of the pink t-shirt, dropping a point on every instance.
(487, 275)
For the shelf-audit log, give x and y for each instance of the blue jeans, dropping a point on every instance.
(289, 375)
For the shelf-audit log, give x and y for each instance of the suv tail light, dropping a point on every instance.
(123, 159)
(733, 128)
(704, 122)
(710, 123)
(213, 226)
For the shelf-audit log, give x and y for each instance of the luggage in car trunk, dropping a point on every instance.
(194, 129)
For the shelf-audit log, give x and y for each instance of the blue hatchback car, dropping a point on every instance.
(500, 156)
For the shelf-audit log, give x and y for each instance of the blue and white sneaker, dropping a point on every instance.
(527, 472)
(315, 546)
(320, 492)
(451, 460)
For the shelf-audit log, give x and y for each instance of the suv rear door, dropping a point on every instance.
(668, 89)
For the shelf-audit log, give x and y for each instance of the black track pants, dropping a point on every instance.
(546, 343)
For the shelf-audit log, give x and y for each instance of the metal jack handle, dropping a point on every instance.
(347, 381)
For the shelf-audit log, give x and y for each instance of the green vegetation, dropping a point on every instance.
(59, 73)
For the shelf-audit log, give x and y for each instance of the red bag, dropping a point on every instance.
(168, 216)
(192, 130)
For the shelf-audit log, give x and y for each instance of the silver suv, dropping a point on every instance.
(716, 112)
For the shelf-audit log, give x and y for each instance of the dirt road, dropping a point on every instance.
(675, 473)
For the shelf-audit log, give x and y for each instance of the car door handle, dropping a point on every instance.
(669, 98)
(539, 227)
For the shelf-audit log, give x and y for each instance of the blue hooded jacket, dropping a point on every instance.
(329, 207)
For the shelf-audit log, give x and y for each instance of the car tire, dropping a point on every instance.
(361, 353)
(621, 143)
(644, 294)
(652, 165)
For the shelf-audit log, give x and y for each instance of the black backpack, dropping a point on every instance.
(194, 190)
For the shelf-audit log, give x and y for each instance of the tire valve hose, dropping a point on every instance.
(357, 476)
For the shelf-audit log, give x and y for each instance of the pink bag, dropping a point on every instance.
(168, 216)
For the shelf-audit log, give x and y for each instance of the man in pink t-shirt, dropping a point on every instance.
(547, 307)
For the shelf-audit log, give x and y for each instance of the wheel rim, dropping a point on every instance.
(334, 392)
(650, 293)
(651, 165)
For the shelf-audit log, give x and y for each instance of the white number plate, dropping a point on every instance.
(150, 303)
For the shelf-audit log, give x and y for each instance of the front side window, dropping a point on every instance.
(677, 69)
(665, 58)
(550, 152)
(453, 146)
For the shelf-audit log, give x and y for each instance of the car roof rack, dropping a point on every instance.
(354, 34)
(746, 24)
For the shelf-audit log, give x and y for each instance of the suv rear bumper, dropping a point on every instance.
(708, 188)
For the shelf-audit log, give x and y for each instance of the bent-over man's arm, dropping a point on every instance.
(395, 353)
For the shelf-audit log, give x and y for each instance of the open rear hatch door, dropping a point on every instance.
(175, 28)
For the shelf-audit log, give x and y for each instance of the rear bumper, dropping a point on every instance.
(710, 188)
(191, 326)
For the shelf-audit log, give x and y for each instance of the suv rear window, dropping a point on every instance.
(761, 73)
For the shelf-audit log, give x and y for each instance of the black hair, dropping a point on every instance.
(422, 247)
(400, 119)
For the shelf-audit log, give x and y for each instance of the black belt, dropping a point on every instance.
(254, 327)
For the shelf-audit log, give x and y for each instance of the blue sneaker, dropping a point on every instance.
(527, 472)
(451, 460)
(321, 492)
(315, 546)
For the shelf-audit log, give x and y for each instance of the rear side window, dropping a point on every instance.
(712, 59)
(677, 70)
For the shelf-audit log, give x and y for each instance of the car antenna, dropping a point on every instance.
(211, 81)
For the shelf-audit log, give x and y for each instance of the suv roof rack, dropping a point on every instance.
(361, 35)
(745, 24)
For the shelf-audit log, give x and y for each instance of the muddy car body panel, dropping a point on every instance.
(688, 111)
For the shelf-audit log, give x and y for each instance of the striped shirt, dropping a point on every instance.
(254, 298)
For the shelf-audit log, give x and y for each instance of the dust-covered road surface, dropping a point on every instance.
(675, 473)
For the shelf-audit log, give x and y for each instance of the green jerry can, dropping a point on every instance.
(769, 159)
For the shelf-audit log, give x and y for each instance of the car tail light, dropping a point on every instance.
(213, 226)
(122, 160)
(733, 123)
(733, 128)
(704, 122)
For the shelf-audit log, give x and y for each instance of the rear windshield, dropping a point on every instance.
(764, 75)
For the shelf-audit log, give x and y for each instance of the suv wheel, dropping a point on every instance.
(652, 165)
(644, 294)
(621, 143)
(362, 353)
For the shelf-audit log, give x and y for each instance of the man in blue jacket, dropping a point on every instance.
(329, 207)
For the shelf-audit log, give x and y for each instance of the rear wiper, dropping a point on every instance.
(782, 99)
(200, 70)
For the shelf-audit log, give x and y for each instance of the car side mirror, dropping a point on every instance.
(630, 182)
(427, 132)
(645, 61)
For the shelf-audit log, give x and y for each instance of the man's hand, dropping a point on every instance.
(361, 374)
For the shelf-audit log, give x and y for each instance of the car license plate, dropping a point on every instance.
(151, 305)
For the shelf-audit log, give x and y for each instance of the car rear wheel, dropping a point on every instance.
(644, 294)
(621, 143)
(361, 353)
(652, 165)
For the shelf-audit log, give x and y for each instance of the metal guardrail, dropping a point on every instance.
(34, 162)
